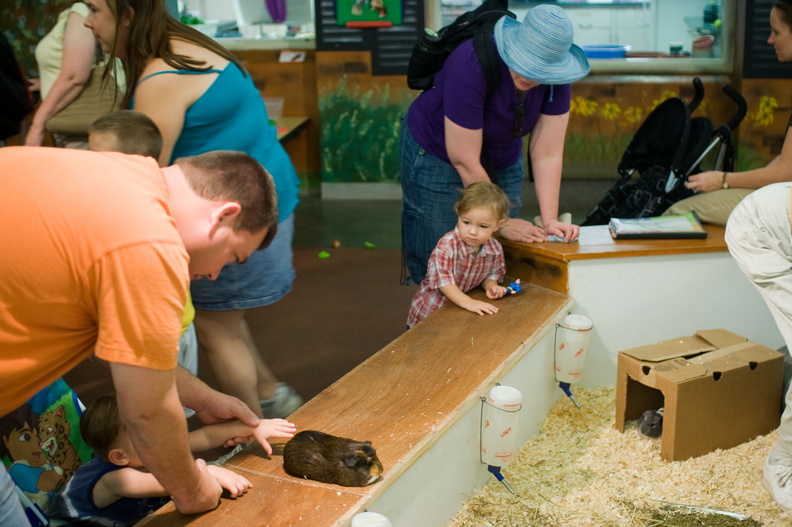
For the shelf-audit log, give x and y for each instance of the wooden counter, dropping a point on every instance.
(547, 264)
(594, 243)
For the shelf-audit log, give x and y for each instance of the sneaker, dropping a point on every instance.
(282, 404)
(777, 478)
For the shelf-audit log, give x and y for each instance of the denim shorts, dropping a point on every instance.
(265, 278)
(430, 188)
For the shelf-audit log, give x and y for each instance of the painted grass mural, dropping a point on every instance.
(360, 133)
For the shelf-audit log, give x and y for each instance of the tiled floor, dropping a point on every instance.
(352, 222)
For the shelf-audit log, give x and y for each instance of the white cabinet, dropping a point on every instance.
(613, 24)
(631, 24)
(635, 26)
(592, 25)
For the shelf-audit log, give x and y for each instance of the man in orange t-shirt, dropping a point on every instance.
(96, 254)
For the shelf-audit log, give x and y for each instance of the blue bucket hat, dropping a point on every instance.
(540, 48)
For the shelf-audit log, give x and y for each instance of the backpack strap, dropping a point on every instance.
(488, 57)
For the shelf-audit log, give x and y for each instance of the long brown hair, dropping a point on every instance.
(150, 34)
(784, 11)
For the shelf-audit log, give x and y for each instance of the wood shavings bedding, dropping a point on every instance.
(579, 471)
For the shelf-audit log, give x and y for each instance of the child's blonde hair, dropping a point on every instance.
(483, 194)
(134, 132)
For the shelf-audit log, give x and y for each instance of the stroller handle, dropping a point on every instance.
(698, 86)
(742, 106)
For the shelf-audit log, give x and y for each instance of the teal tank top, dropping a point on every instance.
(231, 115)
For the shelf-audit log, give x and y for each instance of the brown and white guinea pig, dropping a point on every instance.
(330, 459)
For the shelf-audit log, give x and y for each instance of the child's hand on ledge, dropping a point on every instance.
(235, 484)
(269, 428)
(495, 291)
(480, 308)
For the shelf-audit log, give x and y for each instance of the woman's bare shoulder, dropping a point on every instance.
(196, 51)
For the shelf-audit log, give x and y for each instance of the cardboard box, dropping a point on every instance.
(718, 390)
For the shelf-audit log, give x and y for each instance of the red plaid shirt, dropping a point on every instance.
(453, 262)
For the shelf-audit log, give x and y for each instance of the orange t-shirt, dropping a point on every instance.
(90, 260)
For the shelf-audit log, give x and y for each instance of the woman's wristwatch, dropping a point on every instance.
(724, 183)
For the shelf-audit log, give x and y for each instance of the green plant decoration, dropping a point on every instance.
(360, 133)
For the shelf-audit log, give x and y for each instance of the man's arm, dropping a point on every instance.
(210, 405)
(149, 406)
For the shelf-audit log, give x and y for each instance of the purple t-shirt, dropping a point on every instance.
(460, 93)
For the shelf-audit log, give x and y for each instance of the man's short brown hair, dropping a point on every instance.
(235, 176)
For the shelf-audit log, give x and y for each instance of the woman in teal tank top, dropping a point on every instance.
(201, 99)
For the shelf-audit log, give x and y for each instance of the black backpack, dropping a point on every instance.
(432, 50)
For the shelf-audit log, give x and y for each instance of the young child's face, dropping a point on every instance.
(103, 142)
(477, 225)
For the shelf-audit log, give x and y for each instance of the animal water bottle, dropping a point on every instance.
(370, 519)
(571, 340)
(499, 417)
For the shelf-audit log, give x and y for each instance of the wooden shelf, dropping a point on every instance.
(288, 127)
(610, 248)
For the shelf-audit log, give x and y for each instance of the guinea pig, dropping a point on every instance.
(322, 457)
(651, 423)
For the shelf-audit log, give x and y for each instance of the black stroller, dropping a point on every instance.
(667, 148)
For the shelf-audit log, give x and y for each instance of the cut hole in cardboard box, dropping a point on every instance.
(718, 389)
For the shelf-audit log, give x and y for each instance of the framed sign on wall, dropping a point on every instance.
(369, 13)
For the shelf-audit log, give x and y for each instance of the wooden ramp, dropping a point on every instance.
(403, 399)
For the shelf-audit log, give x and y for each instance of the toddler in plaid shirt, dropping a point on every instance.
(466, 257)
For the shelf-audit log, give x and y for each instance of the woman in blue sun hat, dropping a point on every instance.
(453, 135)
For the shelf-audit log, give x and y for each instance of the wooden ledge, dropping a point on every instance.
(546, 264)
(598, 246)
(402, 399)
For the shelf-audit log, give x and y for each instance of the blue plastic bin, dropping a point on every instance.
(605, 51)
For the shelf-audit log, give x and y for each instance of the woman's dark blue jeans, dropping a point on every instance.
(430, 187)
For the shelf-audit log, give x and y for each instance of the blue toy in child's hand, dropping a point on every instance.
(513, 288)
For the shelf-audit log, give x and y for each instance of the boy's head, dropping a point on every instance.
(483, 194)
(125, 131)
(482, 209)
(102, 430)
